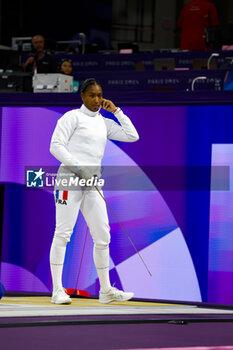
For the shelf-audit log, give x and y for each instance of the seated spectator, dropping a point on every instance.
(67, 68)
(194, 18)
(40, 61)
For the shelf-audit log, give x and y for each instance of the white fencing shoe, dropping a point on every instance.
(114, 294)
(59, 296)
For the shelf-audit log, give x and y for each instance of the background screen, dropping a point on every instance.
(181, 224)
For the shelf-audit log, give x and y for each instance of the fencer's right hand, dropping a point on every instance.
(82, 172)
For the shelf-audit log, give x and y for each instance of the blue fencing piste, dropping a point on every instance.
(2, 290)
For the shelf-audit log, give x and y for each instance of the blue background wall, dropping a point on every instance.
(170, 224)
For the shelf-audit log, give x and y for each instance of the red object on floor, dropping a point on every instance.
(77, 292)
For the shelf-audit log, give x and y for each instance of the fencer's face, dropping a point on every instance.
(92, 97)
(66, 67)
(38, 43)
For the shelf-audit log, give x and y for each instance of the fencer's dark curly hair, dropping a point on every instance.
(87, 83)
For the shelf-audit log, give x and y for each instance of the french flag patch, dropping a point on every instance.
(63, 195)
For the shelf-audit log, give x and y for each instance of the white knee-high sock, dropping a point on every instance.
(101, 260)
(57, 256)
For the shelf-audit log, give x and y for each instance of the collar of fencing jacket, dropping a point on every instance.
(87, 111)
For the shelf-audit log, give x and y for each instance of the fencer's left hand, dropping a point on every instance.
(108, 105)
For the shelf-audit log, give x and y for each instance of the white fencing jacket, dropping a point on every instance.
(80, 136)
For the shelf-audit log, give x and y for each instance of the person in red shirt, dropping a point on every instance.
(194, 18)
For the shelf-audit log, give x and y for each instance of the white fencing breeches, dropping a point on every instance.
(94, 211)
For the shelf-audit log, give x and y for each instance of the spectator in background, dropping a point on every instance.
(40, 61)
(194, 18)
(67, 68)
